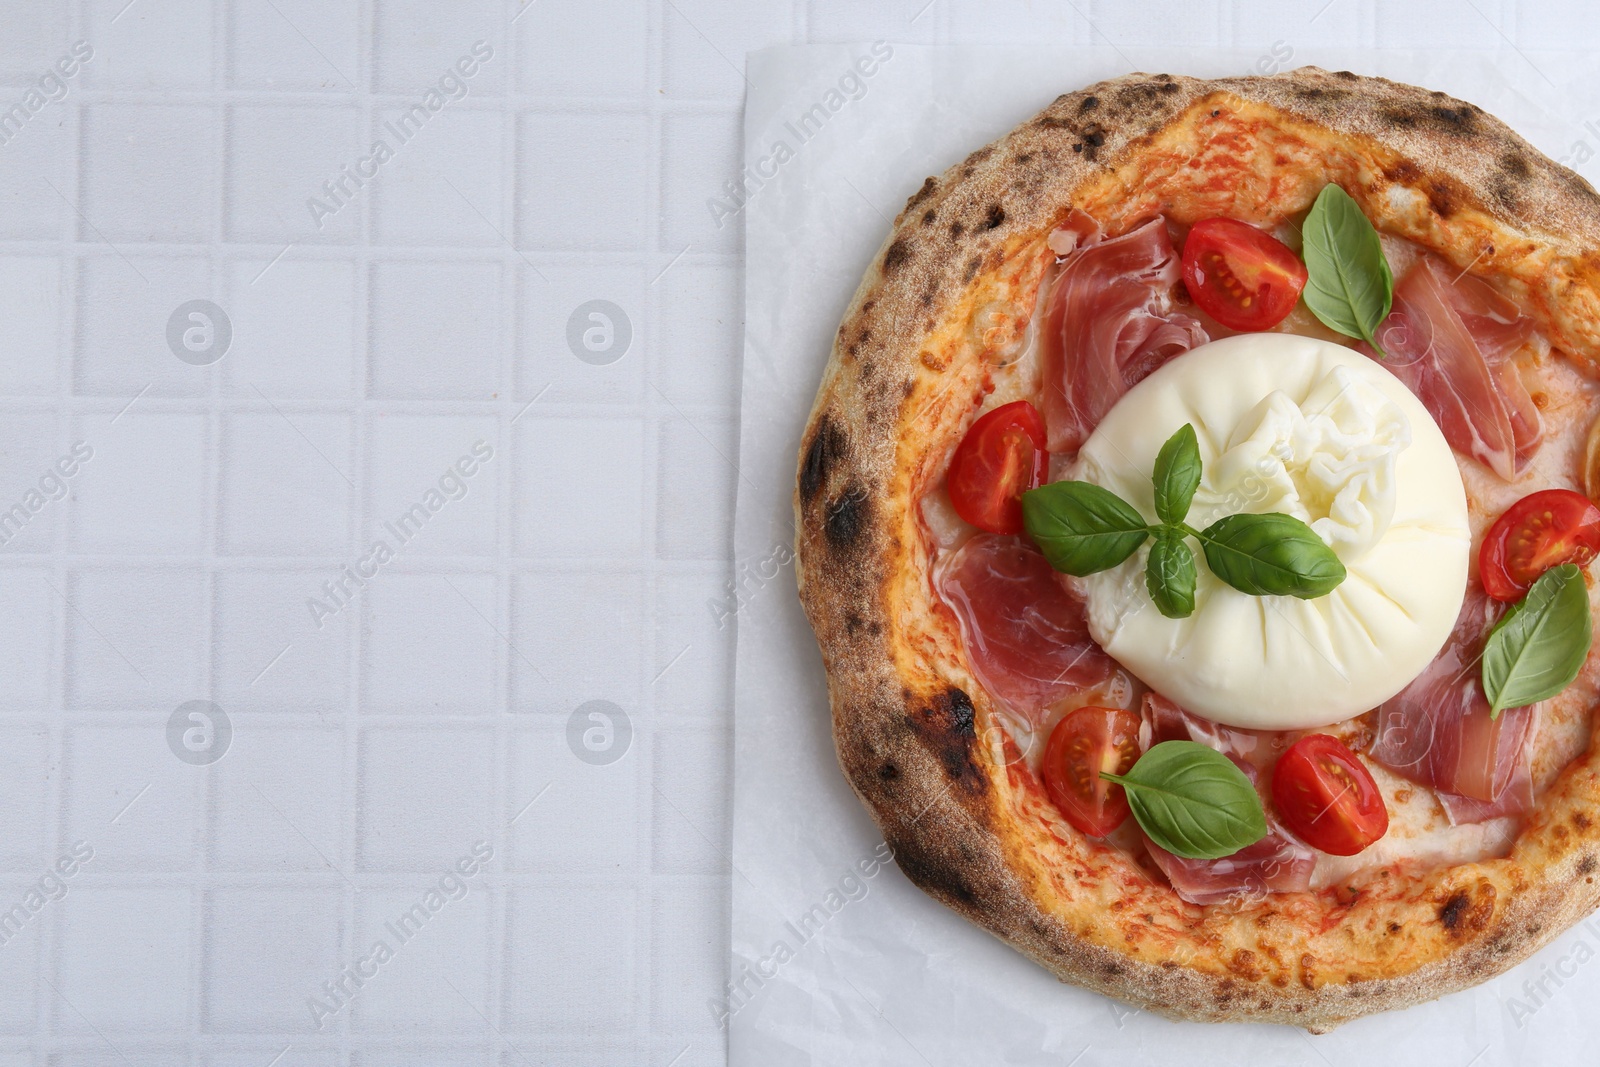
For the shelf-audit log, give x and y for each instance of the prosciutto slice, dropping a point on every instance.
(1162, 720)
(1026, 636)
(1437, 730)
(1108, 322)
(1276, 864)
(1450, 338)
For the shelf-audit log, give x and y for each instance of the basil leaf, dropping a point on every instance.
(1192, 801)
(1169, 574)
(1349, 286)
(1271, 555)
(1081, 527)
(1539, 646)
(1177, 475)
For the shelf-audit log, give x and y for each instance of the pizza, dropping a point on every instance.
(1195, 520)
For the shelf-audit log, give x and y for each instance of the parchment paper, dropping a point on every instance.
(836, 957)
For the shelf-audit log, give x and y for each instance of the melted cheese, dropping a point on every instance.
(1315, 430)
(1419, 833)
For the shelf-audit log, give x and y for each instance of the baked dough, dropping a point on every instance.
(953, 287)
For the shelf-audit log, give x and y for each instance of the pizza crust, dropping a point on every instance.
(950, 291)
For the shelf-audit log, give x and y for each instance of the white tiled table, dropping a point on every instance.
(445, 699)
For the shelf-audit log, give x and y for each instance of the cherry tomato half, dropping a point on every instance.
(1536, 533)
(1327, 798)
(1243, 277)
(1085, 742)
(1002, 457)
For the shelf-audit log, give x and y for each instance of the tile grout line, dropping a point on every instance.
(648, 976)
(212, 477)
(361, 446)
(512, 283)
(52, 933)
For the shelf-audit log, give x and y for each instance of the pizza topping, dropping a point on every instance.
(1084, 529)
(1162, 720)
(1025, 635)
(1291, 426)
(1451, 339)
(1001, 456)
(1244, 278)
(1350, 465)
(1108, 322)
(1086, 742)
(1439, 731)
(1591, 461)
(1192, 800)
(1350, 287)
(1536, 533)
(1515, 799)
(1539, 646)
(1327, 797)
(1275, 864)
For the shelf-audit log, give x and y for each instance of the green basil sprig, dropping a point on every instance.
(1192, 801)
(1083, 528)
(1271, 555)
(1349, 286)
(1539, 646)
(1177, 475)
(1170, 574)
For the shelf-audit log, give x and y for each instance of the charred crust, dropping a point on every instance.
(1459, 121)
(994, 216)
(958, 708)
(1587, 864)
(827, 447)
(1089, 103)
(946, 727)
(1399, 118)
(888, 772)
(1453, 912)
(1441, 199)
(939, 875)
(847, 517)
(1462, 120)
(1581, 820)
(956, 230)
(1403, 172)
(1320, 95)
(897, 253)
